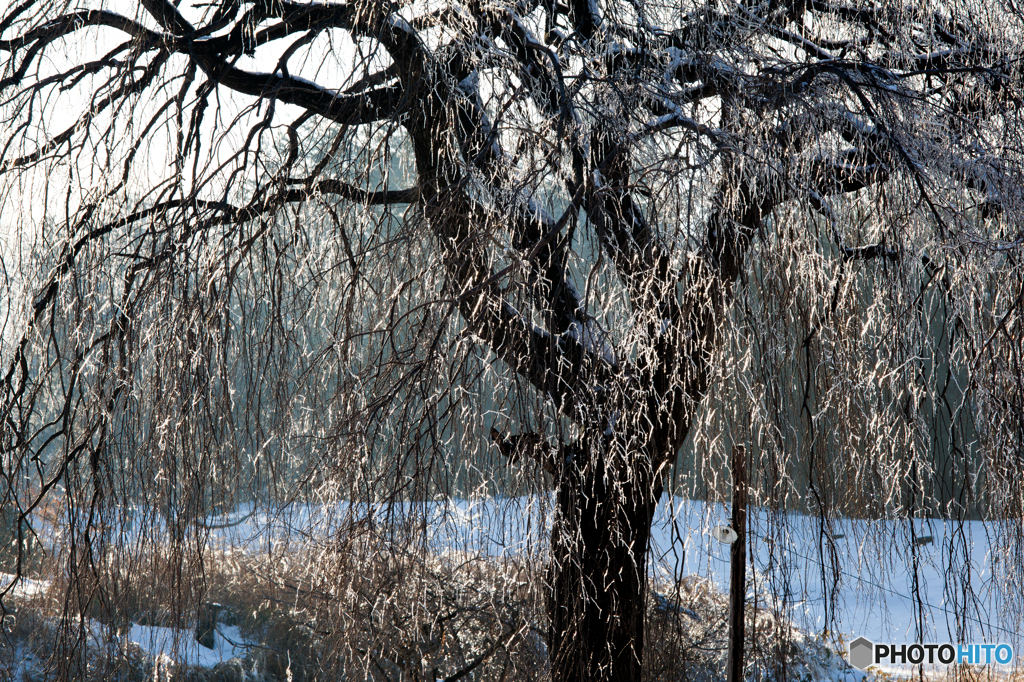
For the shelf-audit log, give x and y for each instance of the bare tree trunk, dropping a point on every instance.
(599, 561)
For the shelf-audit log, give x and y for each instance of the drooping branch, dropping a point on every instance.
(363, 106)
(129, 87)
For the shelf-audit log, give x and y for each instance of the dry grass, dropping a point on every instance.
(369, 609)
(687, 638)
(364, 606)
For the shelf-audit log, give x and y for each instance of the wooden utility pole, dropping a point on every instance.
(737, 565)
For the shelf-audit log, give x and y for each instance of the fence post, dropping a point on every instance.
(737, 565)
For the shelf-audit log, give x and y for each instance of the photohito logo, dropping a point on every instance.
(863, 653)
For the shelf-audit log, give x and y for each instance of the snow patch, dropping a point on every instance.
(25, 588)
(181, 646)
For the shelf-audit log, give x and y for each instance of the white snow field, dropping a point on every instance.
(885, 592)
(891, 577)
(26, 587)
(182, 647)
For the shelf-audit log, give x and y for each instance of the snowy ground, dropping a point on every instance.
(179, 646)
(183, 648)
(891, 585)
(889, 588)
(25, 589)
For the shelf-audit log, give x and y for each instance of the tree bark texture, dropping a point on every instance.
(598, 569)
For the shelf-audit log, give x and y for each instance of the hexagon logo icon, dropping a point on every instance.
(861, 653)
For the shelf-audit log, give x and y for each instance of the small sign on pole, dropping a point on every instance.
(725, 534)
